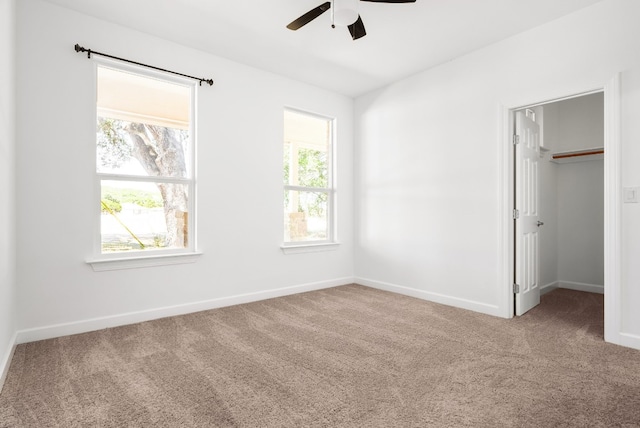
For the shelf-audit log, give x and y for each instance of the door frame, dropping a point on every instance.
(612, 205)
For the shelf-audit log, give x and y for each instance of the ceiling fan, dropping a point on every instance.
(341, 15)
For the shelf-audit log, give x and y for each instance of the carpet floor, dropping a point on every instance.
(348, 356)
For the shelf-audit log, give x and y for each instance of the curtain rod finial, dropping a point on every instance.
(79, 48)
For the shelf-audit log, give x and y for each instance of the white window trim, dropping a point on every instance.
(139, 259)
(311, 247)
(102, 265)
(330, 244)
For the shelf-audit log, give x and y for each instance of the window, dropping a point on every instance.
(308, 179)
(144, 163)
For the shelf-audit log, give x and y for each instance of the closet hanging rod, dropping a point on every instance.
(89, 52)
(577, 154)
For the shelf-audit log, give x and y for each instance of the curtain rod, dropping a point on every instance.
(79, 48)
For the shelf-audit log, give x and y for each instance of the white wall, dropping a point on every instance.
(428, 158)
(239, 171)
(7, 183)
(428, 183)
(581, 225)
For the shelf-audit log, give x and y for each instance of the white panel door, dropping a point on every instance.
(527, 223)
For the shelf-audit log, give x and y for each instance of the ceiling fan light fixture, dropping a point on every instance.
(345, 17)
(345, 12)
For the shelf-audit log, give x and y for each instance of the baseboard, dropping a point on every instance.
(629, 340)
(66, 329)
(579, 286)
(433, 297)
(549, 287)
(5, 363)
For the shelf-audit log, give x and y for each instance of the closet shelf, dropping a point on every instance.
(578, 155)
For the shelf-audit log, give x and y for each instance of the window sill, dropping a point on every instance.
(309, 248)
(142, 262)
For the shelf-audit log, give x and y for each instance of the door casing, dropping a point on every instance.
(612, 205)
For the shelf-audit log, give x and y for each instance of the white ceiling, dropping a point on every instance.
(402, 39)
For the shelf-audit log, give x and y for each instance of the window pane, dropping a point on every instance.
(143, 125)
(305, 216)
(143, 216)
(133, 148)
(306, 150)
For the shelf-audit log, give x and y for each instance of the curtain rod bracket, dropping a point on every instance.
(79, 48)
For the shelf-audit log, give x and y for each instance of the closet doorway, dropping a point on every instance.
(559, 198)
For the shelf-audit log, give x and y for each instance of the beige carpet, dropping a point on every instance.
(349, 356)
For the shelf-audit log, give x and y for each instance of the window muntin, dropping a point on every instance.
(308, 180)
(144, 162)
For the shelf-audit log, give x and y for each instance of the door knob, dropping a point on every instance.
(540, 223)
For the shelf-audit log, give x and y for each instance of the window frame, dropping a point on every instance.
(331, 242)
(143, 258)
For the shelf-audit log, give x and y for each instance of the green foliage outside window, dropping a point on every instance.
(113, 148)
(110, 204)
(312, 172)
(312, 168)
(114, 197)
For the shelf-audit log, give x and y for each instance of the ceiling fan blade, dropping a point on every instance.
(357, 29)
(309, 16)
(390, 1)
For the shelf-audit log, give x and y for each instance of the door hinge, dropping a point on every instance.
(516, 139)
(516, 214)
(516, 288)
